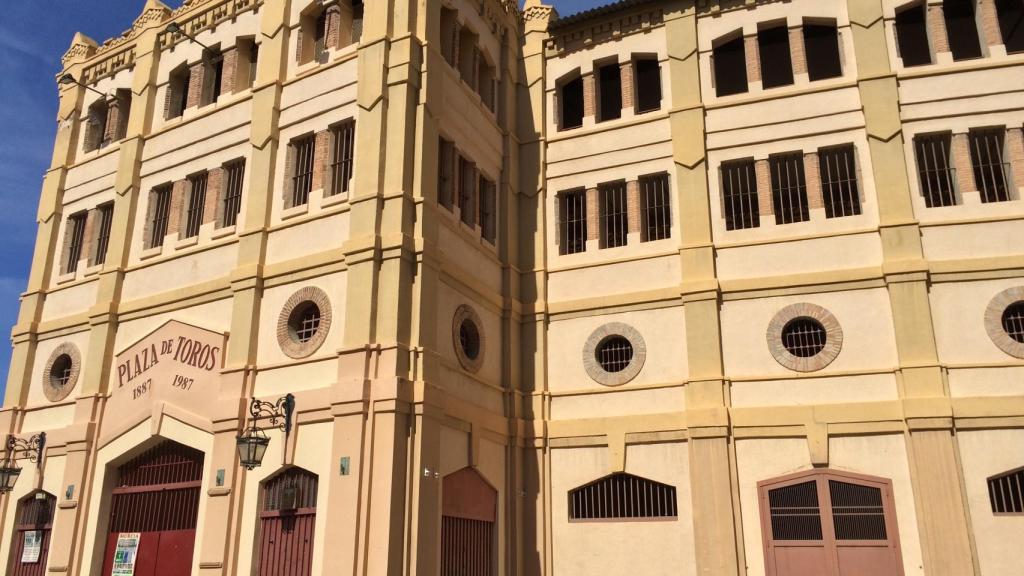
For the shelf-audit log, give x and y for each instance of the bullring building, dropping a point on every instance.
(468, 288)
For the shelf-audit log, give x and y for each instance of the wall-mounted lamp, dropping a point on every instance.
(252, 443)
(69, 79)
(31, 449)
(175, 28)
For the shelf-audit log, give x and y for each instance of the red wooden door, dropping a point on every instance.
(829, 523)
(287, 521)
(35, 519)
(469, 506)
(157, 495)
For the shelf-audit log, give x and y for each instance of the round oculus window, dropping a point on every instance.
(304, 322)
(614, 354)
(1013, 321)
(469, 339)
(60, 372)
(804, 337)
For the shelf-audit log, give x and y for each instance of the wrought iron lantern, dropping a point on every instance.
(253, 441)
(32, 450)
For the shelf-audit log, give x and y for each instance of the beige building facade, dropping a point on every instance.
(697, 287)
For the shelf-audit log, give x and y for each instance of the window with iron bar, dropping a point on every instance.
(990, 172)
(621, 496)
(234, 173)
(106, 216)
(934, 170)
(655, 208)
(804, 337)
(739, 195)
(1013, 321)
(161, 199)
(467, 191)
(837, 168)
(302, 177)
(76, 228)
(488, 205)
(196, 203)
(789, 188)
(445, 173)
(614, 354)
(344, 138)
(1006, 492)
(572, 220)
(614, 215)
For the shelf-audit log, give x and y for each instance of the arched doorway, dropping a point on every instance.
(287, 521)
(156, 495)
(827, 523)
(469, 506)
(31, 543)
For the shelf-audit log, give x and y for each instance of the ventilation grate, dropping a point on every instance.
(857, 511)
(795, 513)
(622, 496)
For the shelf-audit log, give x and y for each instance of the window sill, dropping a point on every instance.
(334, 200)
(294, 211)
(93, 270)
(186, 242)
(67, 277)
(222, 232)
(153, 252)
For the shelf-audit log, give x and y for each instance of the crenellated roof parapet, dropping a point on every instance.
(602, 24)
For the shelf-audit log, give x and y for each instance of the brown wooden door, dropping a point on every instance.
(34, 521)
(469, 507)
(157, 495)
(287, 521)
(829, 523)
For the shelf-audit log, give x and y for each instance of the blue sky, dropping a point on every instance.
(33, 37)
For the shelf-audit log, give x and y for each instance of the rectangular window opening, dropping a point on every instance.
(76, 228)
(106, 218)
(234, 174)
(196, 203)
(571, 99)
(821, 47)
(655, 208)
(572, 220)
(342, 159)
(161, 199)
(912, 36)
(609, 79)
(488, 206)
(647, 85)
(730, 67)
(837, 168)
(990, 171)
(961, 29)
(934, 170)
(613, 213)
(1006, 492)
(1011, 24)
(739, 195)
(446, 173)
(789, 188)
(776, 64)
(302, 176)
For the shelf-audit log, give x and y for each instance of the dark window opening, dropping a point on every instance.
(1006, 492)
(217, 67)
(320, 38)
(623, 495)
(934, 170)
(837, 169)
(990, 172)
(789, 188)
(961, 29)
(445, 173)
(1013, 321)
(1011, 24)
(106, 216)
(613, 214)
(76, 230)
(730, 67)
(196, 204)
(912, 36)
(488, 208)
(233, 175)
(648, 85)
(302, 176)
(467, 191)
(60, 374)
(821, 47)
(614, 354)
(776, 64)
(177, 92)
(304, 322)
(572, 220)
(739, 195)
(804, 337)
(96, 125)
(571, 98)
(609, 79)
(160, 202)
(655, 208)
(469, 339)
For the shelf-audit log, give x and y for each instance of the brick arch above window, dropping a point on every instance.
(996, 325)
(829, 351)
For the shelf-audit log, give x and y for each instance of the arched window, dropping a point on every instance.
(32, 527)
(287, 520)
(469, 507)
(828, 523)
(622, 496)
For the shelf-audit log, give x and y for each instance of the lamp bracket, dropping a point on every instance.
(32, 448)
(279, 413)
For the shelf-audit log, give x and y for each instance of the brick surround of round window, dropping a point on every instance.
(994, 321)
(64, 359)
(291, 344)
(468, 338)
(604, 333)
(828, 353)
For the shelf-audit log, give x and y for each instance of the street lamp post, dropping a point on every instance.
(253, 441)
(32, 450)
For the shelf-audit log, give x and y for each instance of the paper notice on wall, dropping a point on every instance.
(32, 541)
(125, 553)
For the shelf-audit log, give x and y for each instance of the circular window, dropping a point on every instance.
(61, 373)
(1004, 321)
(467, 338)
(304, 322)
(804, 337)
(614, 354)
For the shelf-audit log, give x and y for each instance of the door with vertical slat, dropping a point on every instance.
(469, 507)
(287, 521)
(33, 524)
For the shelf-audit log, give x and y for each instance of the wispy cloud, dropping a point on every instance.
(11, 43)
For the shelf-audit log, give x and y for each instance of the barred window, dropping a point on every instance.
(234, 173)
(739, 195)
(934, 170)
(655, 208)
(614, 354)
(76, 231)
(572, 221)
(990, 172)
(304, 322)
(804, 337)
(1006, 492)
(467, 191)
(106, 217)
(445, 173)
(621, 496)
(795, 512)
(302, 171)
(196, 203)
(488, 206)
(838, 171)
(160, 200)
(342, 159)
(60, 373)
(1013, 321)
(912, 36)
(789, 188)
(614, 216)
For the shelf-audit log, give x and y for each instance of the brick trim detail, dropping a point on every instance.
(589, 96)
(753, 58)
(961, 150)
(290, 344)
(179, 190)
(196, 83)
(991, 34)
(602, 333)
(833, 337)
(763, 176)
(593, 215)
(798, 50)
(633, 206)
(812, 176)
(214, 194)
(462, 314)
(626, 76)
(994, 321)
(229, 71)
(1015, 154)
(51, 388)
(936, 24)
(321, 147)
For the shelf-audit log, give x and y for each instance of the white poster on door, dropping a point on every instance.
(125, 554)
(32, 541)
